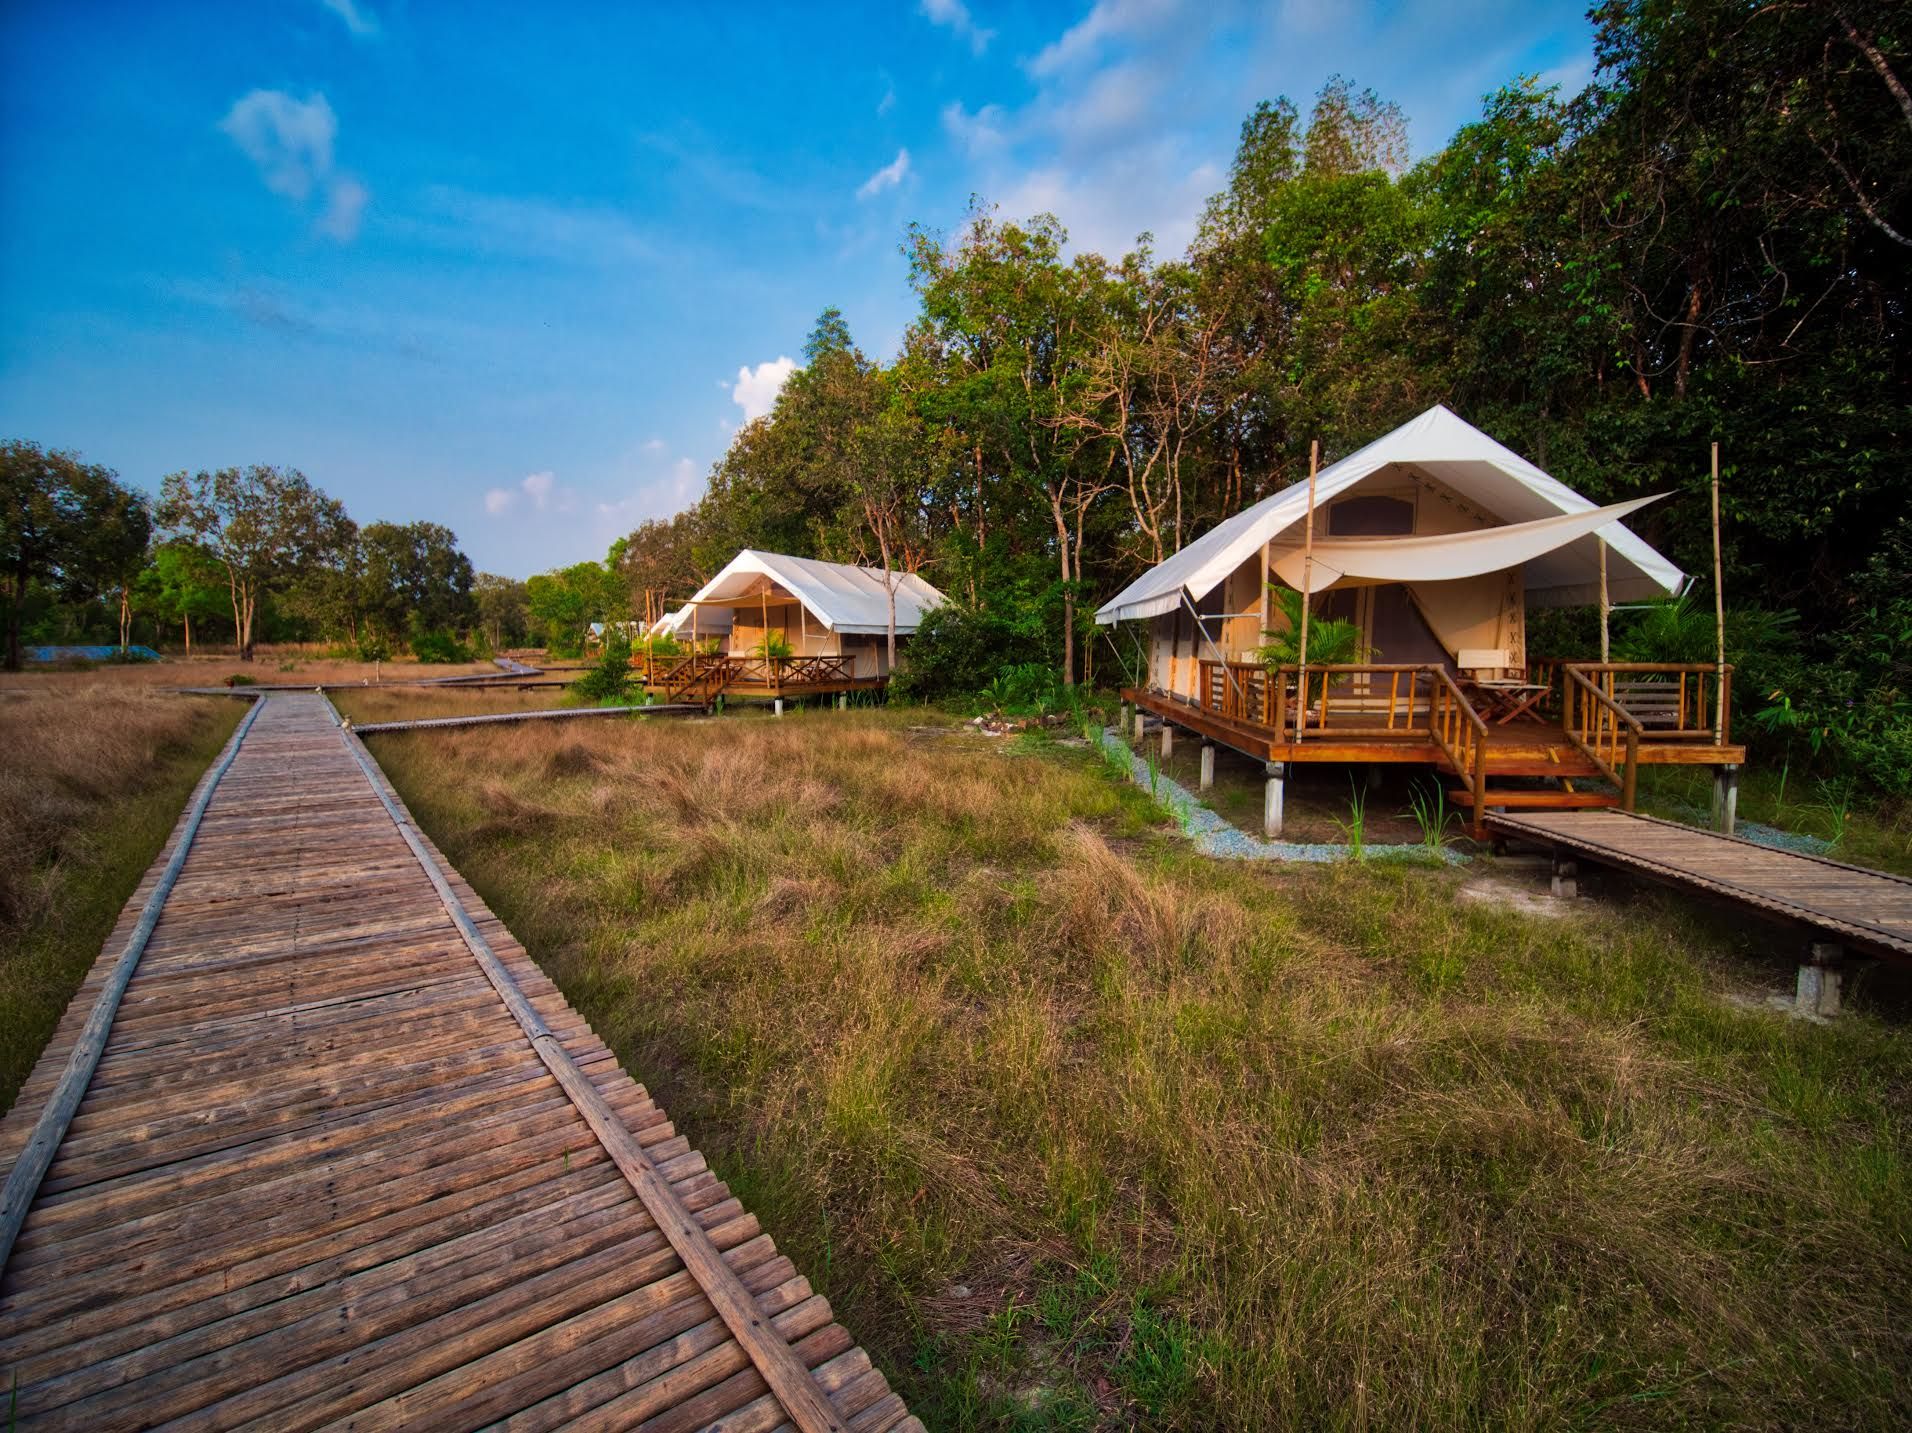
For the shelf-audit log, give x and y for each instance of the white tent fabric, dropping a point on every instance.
(1441, 557)
(842, 598)
(1453, 452)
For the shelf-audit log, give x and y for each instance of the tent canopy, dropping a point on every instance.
(842, 598)
(1456, 454)
(1439, 557)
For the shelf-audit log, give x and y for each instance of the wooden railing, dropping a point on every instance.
(699, 676)
(1670, 701)
(1605, 731)
(1461, 734)
(1372, 699)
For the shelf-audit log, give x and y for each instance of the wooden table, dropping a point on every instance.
(1501, 702)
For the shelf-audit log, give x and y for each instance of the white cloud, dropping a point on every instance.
(538, 487)
(654, 445)
(954, 15)
(1109, 20)
(534, 228)
(756, 389)
(289, 142)
(1572, 77)
(498, 501)
(344, 204)
(888, 177)
(888, 102)
(658, 495)
(979, 133)
(362, 23)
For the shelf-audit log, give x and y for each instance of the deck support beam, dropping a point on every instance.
(1725, 799)
(1820, 979)
(1271, 802)
(1208, 765)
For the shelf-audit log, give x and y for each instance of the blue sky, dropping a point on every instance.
(522, 269)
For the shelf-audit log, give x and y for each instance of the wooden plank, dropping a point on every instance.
(1872, 909)
(325, 1171)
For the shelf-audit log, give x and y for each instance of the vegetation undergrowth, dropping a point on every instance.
(93, 777)
(1079, 1129)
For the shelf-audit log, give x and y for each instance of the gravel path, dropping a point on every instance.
(1215, 837)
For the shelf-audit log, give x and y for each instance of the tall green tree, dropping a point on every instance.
(415, 579)
(67, 523)
(265, 526)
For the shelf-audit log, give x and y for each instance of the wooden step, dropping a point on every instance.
(1571, 765)
(1556, 800)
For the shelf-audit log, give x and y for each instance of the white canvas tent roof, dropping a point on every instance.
(840, 597)
(1454, 453)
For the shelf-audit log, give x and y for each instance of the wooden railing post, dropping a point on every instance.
(1631, 776)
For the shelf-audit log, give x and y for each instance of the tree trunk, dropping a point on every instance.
(187, 616)
(13, 617)
(126, 618)
(1068, 591)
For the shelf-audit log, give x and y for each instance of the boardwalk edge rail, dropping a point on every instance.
(23, 1180)
(772, 1356)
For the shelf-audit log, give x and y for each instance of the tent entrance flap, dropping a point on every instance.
(1445, 557)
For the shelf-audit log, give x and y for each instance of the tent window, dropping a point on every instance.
(1371, 517)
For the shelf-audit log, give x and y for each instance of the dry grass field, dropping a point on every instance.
(94, 770)
(1080, 1130)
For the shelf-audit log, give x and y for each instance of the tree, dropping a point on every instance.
(895, 464)
(415, 578)
(567, 601)
(265, 526)
(66, 523)
(182, 581)
(503, 611)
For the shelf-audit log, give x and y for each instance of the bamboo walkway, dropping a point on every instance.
(348, 1159)
(1870, 910)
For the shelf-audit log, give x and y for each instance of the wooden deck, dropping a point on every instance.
(348, 1157)
(1869, 910)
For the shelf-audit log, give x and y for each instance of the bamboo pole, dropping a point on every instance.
(1605, 606)
(1719, 620)
(1307, 589)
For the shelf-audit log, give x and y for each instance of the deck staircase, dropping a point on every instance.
(695, 680)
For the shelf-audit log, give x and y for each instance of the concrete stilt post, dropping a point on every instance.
(1141, 725)
(1168, 740)
(1208, 765)
(1271, 800)
(1122, 720)
(778, 704)
(1820, 979)
(1566, 877)
(1725, 799)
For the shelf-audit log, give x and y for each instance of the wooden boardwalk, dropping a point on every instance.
(1870, 910)
(330, 1171)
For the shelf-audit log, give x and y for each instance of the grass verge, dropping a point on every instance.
(1078, 1129)
(94, 778)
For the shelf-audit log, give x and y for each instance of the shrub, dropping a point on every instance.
(439, 648)
(610, 678)
(372, 647)
(959, 650)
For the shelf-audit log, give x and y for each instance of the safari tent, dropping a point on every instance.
(822, 609)
(1434, 539)
(1435, 542)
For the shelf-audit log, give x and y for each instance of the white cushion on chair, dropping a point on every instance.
(1479, 659)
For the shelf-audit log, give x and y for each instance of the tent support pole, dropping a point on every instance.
(1605, 607)
(1307, 591)
(1719, 620)
(1203, 633)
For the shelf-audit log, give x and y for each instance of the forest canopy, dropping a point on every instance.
(1711, 242)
